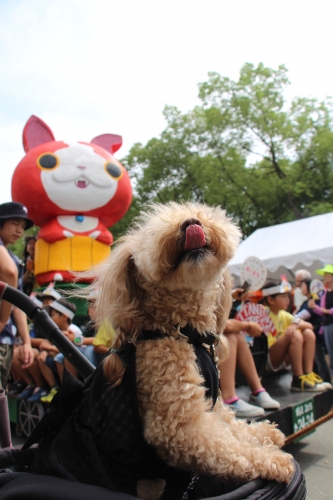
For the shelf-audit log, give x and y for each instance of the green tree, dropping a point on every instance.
(244, 148)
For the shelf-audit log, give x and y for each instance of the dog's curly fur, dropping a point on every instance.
(150, 282)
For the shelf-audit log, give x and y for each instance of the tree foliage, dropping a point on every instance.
(245, 148)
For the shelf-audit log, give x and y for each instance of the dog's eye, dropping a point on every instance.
(113, 170)
(48, 161)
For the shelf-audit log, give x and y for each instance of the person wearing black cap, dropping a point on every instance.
(13, 222)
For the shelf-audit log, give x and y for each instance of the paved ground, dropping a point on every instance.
(315, 456)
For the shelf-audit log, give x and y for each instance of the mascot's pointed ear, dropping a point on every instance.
(108, 141)
(36, 132)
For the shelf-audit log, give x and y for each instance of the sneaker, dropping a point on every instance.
(244, 410)
(264, 400)
(38, 393)
(318, 380)
(27, 392)
(304, 383)
(15, 388)
(48, 398)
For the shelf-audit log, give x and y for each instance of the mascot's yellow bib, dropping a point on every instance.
(72, 254)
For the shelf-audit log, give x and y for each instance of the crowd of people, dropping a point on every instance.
(299, 344)
(32, 368)
(40, 380)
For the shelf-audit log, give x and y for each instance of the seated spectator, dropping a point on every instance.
(89, 329)
(307, 313)
(297, 297)
(42, 299)
(28, 259)
(83, 342)
(103, 341)
(300, 276)
(101, 344)
(240, 355)
(30, 380)
(325, 309)
(294, 343)
(29, 383)
(62, 312)
(48, 295)
(26, 378)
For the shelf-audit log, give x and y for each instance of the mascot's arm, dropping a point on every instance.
(102, 234)
(179, 423)
(52, 232)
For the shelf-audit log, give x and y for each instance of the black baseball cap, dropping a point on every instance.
(15, 210)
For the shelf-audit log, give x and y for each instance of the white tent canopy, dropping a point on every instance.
(302, 244)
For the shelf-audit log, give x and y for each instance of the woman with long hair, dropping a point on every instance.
(28, 258)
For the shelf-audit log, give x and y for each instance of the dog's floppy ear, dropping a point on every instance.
(223, 306)
(119, 295)
(118, 303)
(223, 302)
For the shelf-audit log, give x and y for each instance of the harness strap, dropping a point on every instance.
(188, 331)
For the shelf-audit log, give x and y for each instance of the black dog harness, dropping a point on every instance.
(93, 433)
(204, 348)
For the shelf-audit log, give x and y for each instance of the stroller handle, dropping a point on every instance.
(44, 323)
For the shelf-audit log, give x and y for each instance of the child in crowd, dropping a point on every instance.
(28, 259)
(95, 352)
(297, 298)
(240, 354)
(62, 312)
(325, 309)
(294, 342)
(83, 343)
(29, 382)
(103, 341)
(48, 295)
(308, 314)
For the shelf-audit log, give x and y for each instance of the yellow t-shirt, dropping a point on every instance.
(281, 321)
(105, 335)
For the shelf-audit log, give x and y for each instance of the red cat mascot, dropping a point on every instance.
(74, 192)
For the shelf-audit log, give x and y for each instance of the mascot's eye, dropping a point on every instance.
(48, 161)
(114, 170)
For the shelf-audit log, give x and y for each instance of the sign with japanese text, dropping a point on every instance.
(303, 415)
(257, 313)
(254, 273)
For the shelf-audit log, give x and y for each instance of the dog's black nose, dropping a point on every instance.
(189, 222)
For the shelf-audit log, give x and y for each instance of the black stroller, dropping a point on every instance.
(16, 482)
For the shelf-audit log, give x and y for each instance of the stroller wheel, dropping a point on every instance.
(29, 415)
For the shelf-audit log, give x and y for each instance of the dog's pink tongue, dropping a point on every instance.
(195, 237)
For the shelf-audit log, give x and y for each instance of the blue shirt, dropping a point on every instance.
(315, 320)
(8, 334)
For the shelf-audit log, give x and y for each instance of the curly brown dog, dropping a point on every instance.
(151, 411)
(170, 271)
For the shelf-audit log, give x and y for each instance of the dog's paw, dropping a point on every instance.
(279, 467)
(275, 436)
(267, 433)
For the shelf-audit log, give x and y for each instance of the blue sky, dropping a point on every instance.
(88, 67)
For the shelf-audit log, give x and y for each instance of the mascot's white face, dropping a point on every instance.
(77, 178)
